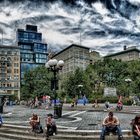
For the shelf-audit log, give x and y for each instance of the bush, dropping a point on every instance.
(102, 99)
(127, 101)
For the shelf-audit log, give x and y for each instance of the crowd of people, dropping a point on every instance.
(110, 124)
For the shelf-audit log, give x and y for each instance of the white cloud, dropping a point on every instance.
(96, 18)
(100, 8)
(135, 2)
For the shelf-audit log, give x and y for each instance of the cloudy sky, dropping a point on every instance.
(103, 25)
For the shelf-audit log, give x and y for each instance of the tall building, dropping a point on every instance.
(10, 70)
(76, 56)
(33, 52)
(128, 54)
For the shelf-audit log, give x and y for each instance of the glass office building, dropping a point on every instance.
(33, 52)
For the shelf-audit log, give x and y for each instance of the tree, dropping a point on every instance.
(71, 84)
(36, 82)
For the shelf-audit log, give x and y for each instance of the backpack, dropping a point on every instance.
(50, 131)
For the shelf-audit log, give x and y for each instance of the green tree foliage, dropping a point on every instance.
(36, 82)
(103, 73)
(72, 84)
(112, 73)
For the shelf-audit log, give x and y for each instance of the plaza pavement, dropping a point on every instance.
(78, 118)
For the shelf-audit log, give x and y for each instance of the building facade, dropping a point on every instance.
(33, 52)
(128, 54)
(10, 70)
(75, 56)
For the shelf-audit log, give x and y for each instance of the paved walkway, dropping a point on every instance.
(79, 118)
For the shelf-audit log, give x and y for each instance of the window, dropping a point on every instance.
(9, 70)
(9, 52)
(9, 77)
(15, 64)
(16, 84)
(16, 77)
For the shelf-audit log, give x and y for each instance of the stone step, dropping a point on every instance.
(20, 132)
(3, 138)
(86, 132)
(17, 136)
(12, 126)
(91, 137)
(15, 132)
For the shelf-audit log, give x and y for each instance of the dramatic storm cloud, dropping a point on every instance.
(103, 25)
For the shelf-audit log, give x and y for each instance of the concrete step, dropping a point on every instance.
(20, 132)
(86, 132)
(15, 132)
(88, 135)
(3, 138)
(17, 136)
(91, 137)
(19, 127)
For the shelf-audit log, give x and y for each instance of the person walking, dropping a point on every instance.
(111, 124)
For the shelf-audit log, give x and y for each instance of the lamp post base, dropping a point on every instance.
(55, 112)
(1, 103)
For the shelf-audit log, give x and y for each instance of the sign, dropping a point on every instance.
(110, 91)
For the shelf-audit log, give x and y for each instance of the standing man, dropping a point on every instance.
(84, 100)
(111, 124)
(1, 120)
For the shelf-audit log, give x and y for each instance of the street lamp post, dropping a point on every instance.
(80, 86)
(54, 66)
(128, 81)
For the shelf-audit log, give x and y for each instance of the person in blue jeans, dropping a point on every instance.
(111, 124)
(84, 100)
(1, 121)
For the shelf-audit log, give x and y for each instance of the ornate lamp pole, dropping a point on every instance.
(54, 66)
(80, 86)
(128, 81)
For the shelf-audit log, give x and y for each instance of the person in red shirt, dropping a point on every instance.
(119, 106)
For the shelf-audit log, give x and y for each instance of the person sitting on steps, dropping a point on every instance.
(119, 106)
(34, 121)
(51, 125)
(95, 104)
(136, 127)
(111, 124)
